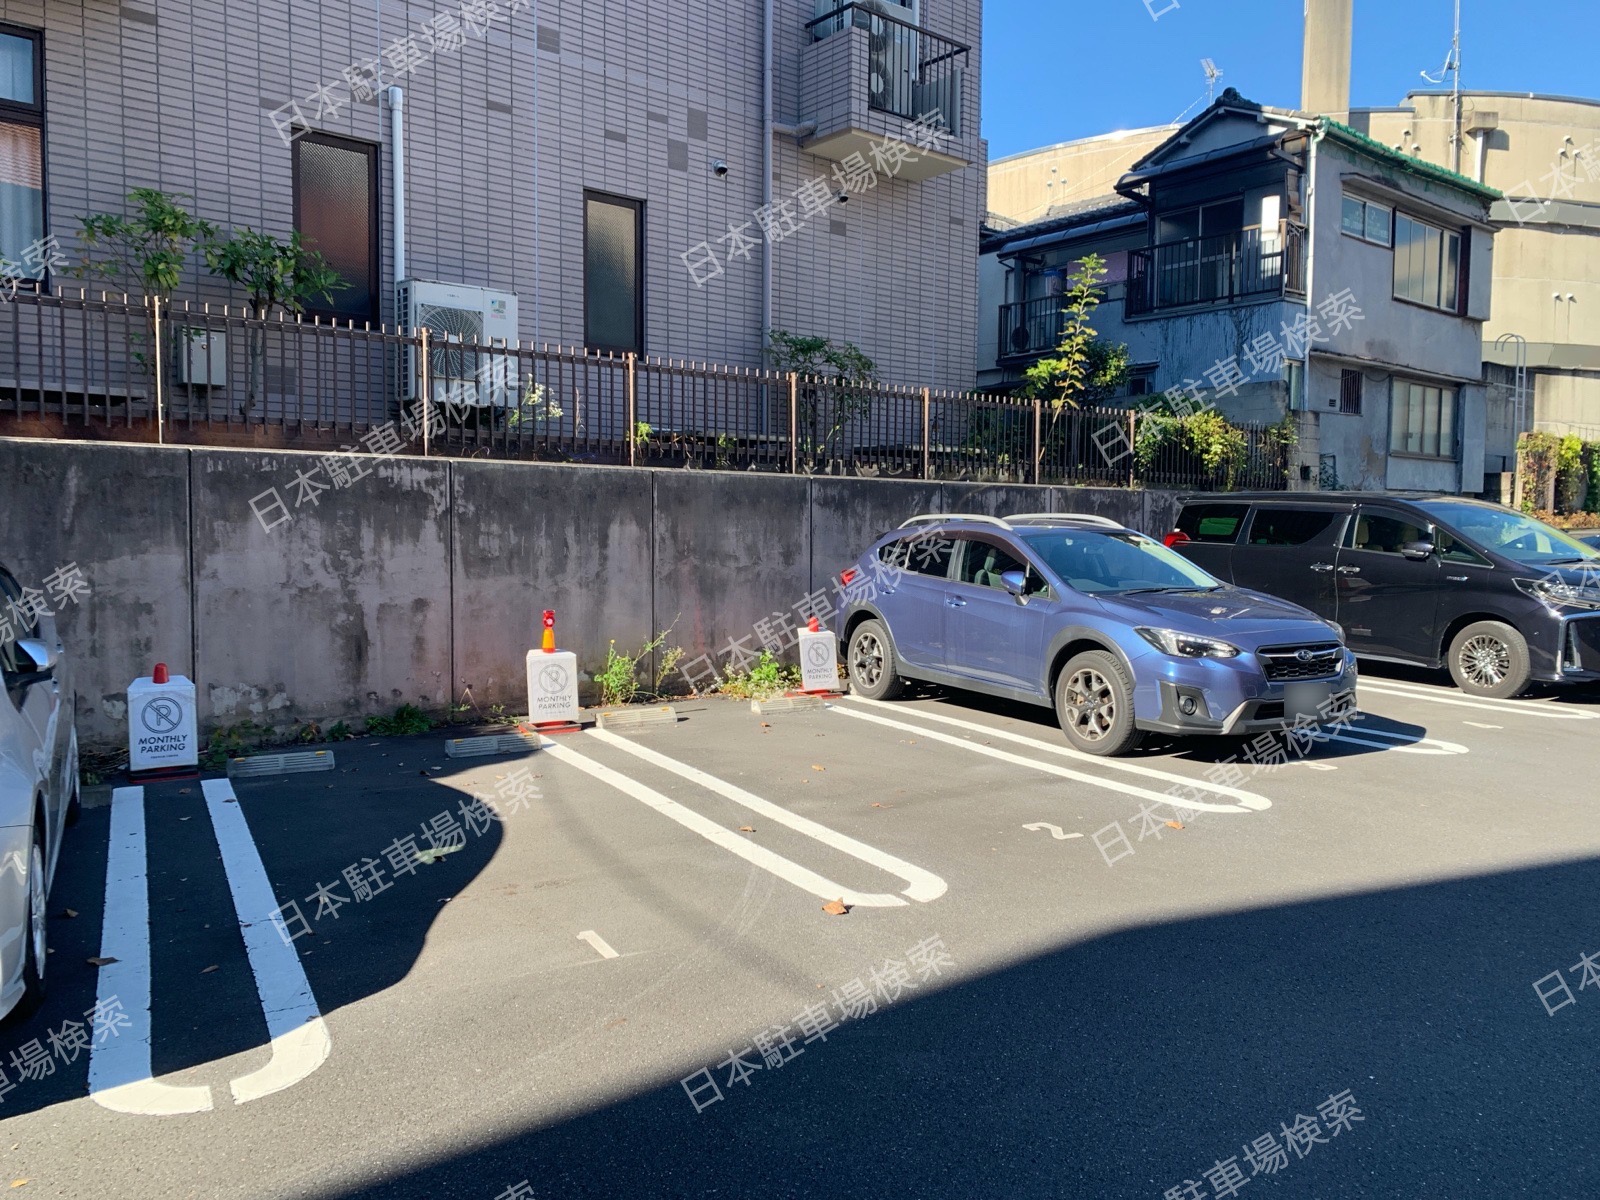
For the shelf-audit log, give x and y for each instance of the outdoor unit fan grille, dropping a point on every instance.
(454, 325)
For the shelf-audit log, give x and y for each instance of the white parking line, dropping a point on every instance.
(300, 1041)
(599, 943)
(1403, 743)
(119, 1068)
(1248, 801)
(790, 872)
(1523, 708)
(920, 885)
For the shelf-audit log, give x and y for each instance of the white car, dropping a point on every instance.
(38, 790)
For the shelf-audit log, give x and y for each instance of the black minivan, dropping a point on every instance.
(1499, 598)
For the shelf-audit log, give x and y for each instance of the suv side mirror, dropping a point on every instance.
(1417, 550)
(1015, 582)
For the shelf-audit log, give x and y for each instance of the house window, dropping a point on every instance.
(1366, 220)
(22, 213)
(1422, 420)
(613, 273)
(1427, 264)
(1350, 393)
(336, 213)
(1141, 381)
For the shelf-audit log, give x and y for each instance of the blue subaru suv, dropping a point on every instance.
(1119, 633)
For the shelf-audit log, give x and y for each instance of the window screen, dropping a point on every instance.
(335, 210)
(22, 223)
(1274, 526)
(613, 304)
(1212, 522)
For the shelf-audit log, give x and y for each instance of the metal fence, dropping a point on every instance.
(135, 369)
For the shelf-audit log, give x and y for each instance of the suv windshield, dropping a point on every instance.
(1118, 563)
(1512, 534)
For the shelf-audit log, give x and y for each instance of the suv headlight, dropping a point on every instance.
(1187, 645)
(1561, 594)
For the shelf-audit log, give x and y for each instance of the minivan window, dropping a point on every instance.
(1505, 531)
(1283, 526)
(1212, 522)
(1383, 532)
(1118, 563)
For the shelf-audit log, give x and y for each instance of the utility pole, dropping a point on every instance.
(1452, 65)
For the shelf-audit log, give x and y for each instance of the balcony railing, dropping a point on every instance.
(911, 73)
(1030, 327)
(1217, 270)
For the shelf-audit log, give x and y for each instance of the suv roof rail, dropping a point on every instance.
(935, 518)
(1067, 518)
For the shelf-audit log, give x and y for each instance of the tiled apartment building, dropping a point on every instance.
(600, 161)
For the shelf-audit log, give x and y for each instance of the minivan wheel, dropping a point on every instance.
(35, 947)
(1490, 658)
(870, 661)
(1094, 703)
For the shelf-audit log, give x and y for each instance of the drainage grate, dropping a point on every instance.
(296, 763)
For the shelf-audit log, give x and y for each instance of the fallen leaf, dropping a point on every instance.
(183, 818)
(100, 962)
(209, 969)
(836, 908)
(72, 912)
(766, 724)
(184, 791)
(1174, 824)
(618, 1021)
(18, 1182)
(814, 767)
(747, 829)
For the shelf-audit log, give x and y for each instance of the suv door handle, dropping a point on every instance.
(1349, 570)
(1322, 568)
(955, 601)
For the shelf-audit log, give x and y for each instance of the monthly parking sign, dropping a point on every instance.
(161, 722)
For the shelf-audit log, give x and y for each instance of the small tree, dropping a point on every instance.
(835, 386)
(1083, 370)
(273, 272)
(147, 250)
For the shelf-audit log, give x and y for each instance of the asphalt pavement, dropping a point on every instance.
(1348, 967)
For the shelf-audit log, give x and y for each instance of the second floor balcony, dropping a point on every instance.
(1225, 269)
(869, 76)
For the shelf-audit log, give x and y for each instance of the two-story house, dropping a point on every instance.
(1269, 263)
(646, 176)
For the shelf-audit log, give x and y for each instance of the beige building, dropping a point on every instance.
(1543, 152)
(1037, 184)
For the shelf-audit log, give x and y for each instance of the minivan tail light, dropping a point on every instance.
(1176, 538)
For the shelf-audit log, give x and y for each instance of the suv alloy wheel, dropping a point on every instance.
(1094, 703)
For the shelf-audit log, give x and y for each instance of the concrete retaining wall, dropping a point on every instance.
(423, 582)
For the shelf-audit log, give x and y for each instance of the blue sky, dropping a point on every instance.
(1060, 69)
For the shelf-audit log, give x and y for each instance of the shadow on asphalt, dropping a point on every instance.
(1158, 746)
(204, 1001)
(1126, 1064)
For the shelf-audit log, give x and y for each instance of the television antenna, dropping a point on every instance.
(1213, 73)
(1452, 68)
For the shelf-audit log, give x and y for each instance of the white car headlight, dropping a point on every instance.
(1187, 645)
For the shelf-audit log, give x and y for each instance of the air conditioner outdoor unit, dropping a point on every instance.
(469, 330)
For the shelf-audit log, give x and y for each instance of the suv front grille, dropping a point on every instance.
(1317, 661)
